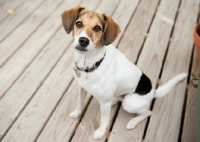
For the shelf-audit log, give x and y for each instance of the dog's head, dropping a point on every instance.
(90, 29)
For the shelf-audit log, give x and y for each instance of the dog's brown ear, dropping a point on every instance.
(111, 30)
(69, 17)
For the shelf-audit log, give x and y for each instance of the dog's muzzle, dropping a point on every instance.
(83, 43)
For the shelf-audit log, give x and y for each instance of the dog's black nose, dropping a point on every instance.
(84, 41)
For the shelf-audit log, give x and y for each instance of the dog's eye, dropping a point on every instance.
(97, 28)
(79, 24)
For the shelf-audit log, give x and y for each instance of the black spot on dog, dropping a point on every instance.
(144, 86)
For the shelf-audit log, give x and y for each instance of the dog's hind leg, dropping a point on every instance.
(136, 120)
(134, 103)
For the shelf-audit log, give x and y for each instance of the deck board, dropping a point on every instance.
(136, 32)
(42, 104)
(30, 48)
(14, 20)
(60, 127)
(9, 4)
(165, 110)
(190, 121)
(25, 29)
(37, 88)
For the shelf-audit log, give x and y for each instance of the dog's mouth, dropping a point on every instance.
(80, 48)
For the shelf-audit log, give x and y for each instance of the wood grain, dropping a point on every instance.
(122, 18)
(61, 127)
(134, 36)
(167, 111)
(150, 62)
(37, 112)
(28, 83)
(28, 27)
(189, 132)
(17, 17)
(90, 122)
(9, 4)
(29, 50)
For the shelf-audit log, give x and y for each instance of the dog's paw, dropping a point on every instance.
(98, 134)
(74, 114)
(131, 124)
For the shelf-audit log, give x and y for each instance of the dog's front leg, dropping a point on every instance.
(81, 98)
(105, 108)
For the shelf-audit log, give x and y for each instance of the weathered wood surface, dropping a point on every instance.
(37, 88)
(18, 17)
(167, 111)
(25, 29)
(31, 47)
(9, 4)
(189, 133)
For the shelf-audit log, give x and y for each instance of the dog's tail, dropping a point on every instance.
(166, 88)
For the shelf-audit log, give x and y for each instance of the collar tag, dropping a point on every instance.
(78, 73)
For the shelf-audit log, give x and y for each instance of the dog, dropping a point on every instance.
(105, 72)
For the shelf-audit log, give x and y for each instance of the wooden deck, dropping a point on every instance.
(37, 88)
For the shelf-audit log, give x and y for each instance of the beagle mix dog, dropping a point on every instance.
(105, 72)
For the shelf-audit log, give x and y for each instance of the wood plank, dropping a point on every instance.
(61, 127)
(14, 20)
(12, 4)
(9, 4)
(167, 111)
(85, 132)
(150, 62)
(34, 75)
(189, 133)
(134, 36)
(26, 28)
(32, 119)
(29, 50)
(198, 111)
(123, 18)
(2, 2)
(19, 93)
(90, 122)
(37, 112)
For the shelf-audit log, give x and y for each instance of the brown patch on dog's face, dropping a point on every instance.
(93, 24)
(89, 29)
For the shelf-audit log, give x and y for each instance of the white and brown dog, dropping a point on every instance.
(105, 72)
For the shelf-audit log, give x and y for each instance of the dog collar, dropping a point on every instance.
(94, 67)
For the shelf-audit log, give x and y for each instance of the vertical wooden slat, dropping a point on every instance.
(189, 132)
(167, 111)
